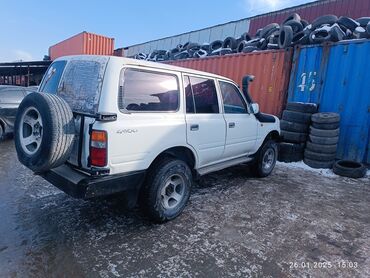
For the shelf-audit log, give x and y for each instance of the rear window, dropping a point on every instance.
(77, 81)
(148, 91)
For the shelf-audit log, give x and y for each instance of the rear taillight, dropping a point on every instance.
(98, 148)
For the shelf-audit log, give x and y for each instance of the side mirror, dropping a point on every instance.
(255, 108)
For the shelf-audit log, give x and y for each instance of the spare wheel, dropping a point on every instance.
(44, 131)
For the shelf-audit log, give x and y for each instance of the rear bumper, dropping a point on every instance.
(79, 185)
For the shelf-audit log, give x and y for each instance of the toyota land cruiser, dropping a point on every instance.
(101, 125)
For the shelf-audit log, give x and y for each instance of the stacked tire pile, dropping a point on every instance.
(294, 127)
(293, 31)
(321, 147)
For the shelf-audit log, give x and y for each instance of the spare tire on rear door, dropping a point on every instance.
(44, 131)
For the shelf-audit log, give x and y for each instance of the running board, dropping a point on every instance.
(223, 165)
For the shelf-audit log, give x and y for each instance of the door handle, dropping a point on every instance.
(194, 127)
(231, 125)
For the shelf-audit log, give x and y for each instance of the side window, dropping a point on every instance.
(233, 101)
(205, 95)
(190, 108)
(142, 90)
(52, 77)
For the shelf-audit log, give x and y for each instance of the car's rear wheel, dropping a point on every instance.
(167, 189)
(266, 159)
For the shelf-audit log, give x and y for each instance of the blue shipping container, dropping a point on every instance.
(337, 77)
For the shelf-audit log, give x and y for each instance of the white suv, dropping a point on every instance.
(103, 125)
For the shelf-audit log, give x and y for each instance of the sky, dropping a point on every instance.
(30, 27)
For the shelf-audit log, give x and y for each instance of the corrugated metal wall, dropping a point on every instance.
(83, 43)
(310, 11)
(337, 78)
(219, 32)
(271, 69)
(351, 8)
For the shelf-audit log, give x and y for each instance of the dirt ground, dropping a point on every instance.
(295, 223)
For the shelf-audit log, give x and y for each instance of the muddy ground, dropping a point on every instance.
(295, 223)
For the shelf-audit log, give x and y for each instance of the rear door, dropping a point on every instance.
(206, 127)
(78, 81)
(241, 125)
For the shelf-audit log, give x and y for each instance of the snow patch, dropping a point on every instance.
(301, 165)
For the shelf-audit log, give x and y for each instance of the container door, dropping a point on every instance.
(308, 73)
(347, 92)
(241, 126)
(205, 124)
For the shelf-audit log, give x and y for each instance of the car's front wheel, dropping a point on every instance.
(266, 159)
(167, 189)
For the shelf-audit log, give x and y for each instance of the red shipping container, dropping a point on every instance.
(83, 43)
(270, 68)
(351, 8)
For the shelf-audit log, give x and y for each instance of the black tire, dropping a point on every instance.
(56, 134)
(323, 140)
(290, 152)
(301, 38)
(293, 16)
(348, 22)
(259, 163)
(295, 25)
(263, 44)
(216, 45)
(249, 49)
(302, 107)
(318, 156)
(350, 169)
(328, 149)
(297, 117)
(318, 164)
(325, 118)
(269, 29)
(290, 157)
(337, 34)
(324, 132)
(293, 137)
(285, 37)
(326, 126)
(193, 47)
(363, 21)
(151, 195)
(295, 127)
(241, 46)
(206, 47)
(325, 19)
(320, 36)
(245, 37)
(230, 42)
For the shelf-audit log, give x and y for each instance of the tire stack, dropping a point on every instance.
(294, 127)
(321, 147)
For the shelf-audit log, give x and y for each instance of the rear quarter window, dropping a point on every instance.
(148, 91)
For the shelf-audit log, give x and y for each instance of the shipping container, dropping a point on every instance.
(270, 68)
(351, 8)
(83, 43)
(336, 76)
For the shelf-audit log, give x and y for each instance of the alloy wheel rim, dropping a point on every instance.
(31, 130)
(268, 159)
(173, 191)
